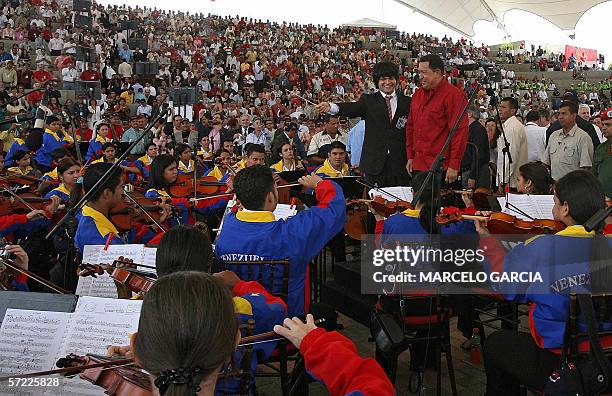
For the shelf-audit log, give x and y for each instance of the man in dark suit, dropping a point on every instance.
(283, 137)
(383, 158)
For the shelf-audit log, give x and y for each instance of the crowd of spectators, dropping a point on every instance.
(243, 70)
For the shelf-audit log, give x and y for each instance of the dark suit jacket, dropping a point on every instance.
(381, 136)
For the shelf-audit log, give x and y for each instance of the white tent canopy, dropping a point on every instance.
(369, 23)
(460, 15)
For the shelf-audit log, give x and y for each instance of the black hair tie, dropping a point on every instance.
(180, 376)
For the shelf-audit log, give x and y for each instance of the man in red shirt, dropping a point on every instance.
(435, 107)
(90, 74)
(84, 133)
(42, 75)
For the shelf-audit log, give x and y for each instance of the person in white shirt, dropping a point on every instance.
(517, 139)
(584, 112)
(70, 47)
(56, 45)
(259, 135)
(69, 76)
(536, 137)
(144, 108)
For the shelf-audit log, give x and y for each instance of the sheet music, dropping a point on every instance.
(283, 211)
(101, 286)
(404, 193)
(545, 205)
(535, 206)
(148, 258)
(30, 340)
(133, 252)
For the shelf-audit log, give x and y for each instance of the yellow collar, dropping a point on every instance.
(62, 188)
(412, 212)
(186, 168)
(255, 216)
(331, 172)
(163, 193)
(20, 141)
(52, 174)
(54, 134)
(101, 139)
(145, 159)
(103, 224)
(575, 231)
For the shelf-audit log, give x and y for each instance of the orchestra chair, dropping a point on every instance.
(274, 276)
(426, 314)
(491, 308)
(578, 339)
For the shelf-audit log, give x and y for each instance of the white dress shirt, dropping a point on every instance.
(536, 141)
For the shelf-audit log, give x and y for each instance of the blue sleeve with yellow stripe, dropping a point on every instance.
(94, 150)
(43, 154)
(87, 234)
(16, 146)
(56, 192)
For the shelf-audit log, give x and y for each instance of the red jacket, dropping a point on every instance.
(333, 360)
(432, 115)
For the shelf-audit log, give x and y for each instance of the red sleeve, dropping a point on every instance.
(494, 252)
(21, 278)
(457, 148)
(410, 130)
(7, 221)
(325, 193)
(608, 229)
(378, 230)
(333, 359)
(155, 240)
(241, 288)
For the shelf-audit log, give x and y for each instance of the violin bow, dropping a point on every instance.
(365, 183)
(139, 206)
(34, 277)
(74, 369)
(17, 197)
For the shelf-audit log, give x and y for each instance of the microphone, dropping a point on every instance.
(17, 119)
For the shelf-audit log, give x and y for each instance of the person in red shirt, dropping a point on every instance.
(42, 75)
(435, 107)
(90, 74)
(84, 133)
(117, 126)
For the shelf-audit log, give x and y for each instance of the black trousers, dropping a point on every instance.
(390, 176)
(511, 359)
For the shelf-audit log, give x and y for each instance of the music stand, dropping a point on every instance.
(36, 301)
(292, 176)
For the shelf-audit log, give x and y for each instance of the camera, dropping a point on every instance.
(4, 254)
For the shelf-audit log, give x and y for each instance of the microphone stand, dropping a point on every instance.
(436, 166)
(506, 149)
(74, 137)
(73, 209)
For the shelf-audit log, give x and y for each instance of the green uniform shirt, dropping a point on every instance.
(602, 166)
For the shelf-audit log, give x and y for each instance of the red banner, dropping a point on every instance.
(581, 54)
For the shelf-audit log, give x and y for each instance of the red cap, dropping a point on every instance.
(606, 114)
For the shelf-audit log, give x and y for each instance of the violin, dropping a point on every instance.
(147, 211)
(479, 196)
(185, 185)
(503, 223)
(113, 374)
(14, 179)
(355, 225)
(383, 206)
(123, 272)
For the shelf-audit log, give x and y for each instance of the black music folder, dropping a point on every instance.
(36, 301)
